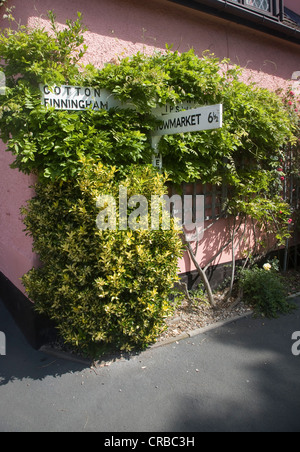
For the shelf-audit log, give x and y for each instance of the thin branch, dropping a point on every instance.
(185, 289)
(202, 273)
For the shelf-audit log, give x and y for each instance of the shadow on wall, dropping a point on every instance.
(118, 28)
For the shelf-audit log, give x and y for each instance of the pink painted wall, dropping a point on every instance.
(123, 27)
(118, 28)
(294, 5)
(16, 257)
(218, 236)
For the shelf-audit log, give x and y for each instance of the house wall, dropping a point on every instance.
(118, 28)
(16, 257)
(294, 5)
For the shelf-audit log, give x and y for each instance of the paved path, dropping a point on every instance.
(240, 377)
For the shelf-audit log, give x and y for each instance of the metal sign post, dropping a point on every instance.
(180, 118)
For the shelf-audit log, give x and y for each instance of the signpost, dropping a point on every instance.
(181, 118)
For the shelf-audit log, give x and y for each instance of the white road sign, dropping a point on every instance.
(78, 98)
(195, 120)
(175, 121)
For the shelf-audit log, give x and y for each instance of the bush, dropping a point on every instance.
(101, 287)
(264, 290)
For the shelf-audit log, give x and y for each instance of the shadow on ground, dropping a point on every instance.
(22, 361)
(250, 382)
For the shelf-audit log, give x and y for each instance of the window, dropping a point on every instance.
(260, 4)
(270, 7)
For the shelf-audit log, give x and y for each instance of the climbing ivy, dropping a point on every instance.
(245, 153)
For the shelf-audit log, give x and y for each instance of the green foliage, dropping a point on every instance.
(60, 139)
(101, 287)
(264, 290)
(246, 150)
(37, 56)
(256, 122)
(245, 153)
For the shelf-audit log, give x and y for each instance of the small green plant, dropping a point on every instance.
(264, 290)
(198, 296)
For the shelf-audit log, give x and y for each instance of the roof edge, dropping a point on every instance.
(250, 18)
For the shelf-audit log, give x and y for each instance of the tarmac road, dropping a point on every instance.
(240, 377)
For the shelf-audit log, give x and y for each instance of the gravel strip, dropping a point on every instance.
(189, 317)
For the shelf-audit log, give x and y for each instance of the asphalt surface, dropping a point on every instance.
(240, 377)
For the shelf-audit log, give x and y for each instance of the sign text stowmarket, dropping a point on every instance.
(197, 119)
